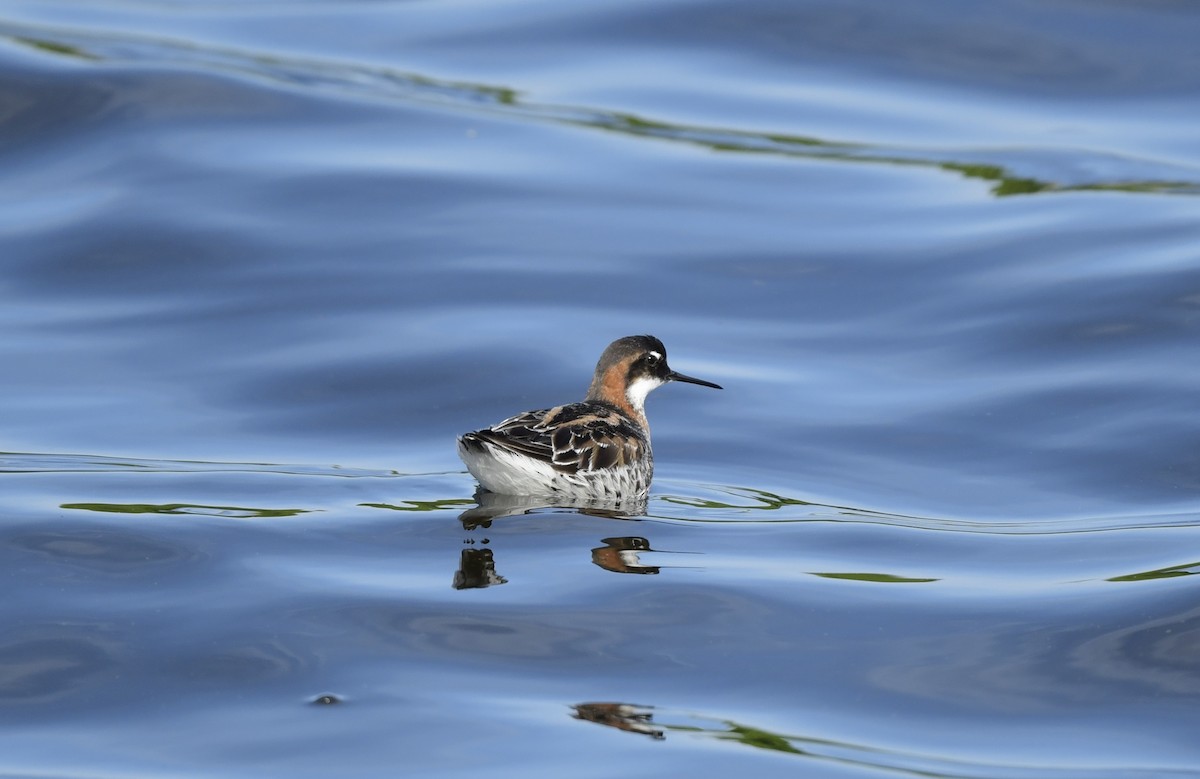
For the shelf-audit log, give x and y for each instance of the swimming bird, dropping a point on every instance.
(597, 448)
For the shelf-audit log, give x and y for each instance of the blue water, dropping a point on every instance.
(261, 261)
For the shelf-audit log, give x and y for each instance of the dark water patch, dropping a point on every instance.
(341, 393)
(1065, 50)
(237, 666)
(107, 551)
(74, 557)
(42, 665)
(1136, 654)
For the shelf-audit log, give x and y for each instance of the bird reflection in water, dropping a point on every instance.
(620, 555)
(494, 506)
(476, 570)
(622, 716)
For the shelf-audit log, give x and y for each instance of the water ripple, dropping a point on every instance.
(732, 504)
(671, 501)
(1006, 172)
(21, 462)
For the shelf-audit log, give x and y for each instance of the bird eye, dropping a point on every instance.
(653, 358)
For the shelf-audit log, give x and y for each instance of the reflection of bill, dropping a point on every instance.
(622, 716)
(620, 555)
(476, 570)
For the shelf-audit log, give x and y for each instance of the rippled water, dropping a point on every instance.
(263, 260)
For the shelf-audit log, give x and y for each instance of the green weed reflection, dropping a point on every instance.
(757, 738)
(760, 500)
(878, 578)
(1171, 572)
(743, 500)
(54, 47)
(661, 725)
(239, 512)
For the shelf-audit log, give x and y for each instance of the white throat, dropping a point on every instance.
(638, 390)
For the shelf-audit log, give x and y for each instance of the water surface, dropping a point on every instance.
(262, 261)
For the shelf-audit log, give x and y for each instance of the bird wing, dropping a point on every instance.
(572, 438)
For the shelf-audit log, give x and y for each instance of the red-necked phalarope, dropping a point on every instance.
(599, 448)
